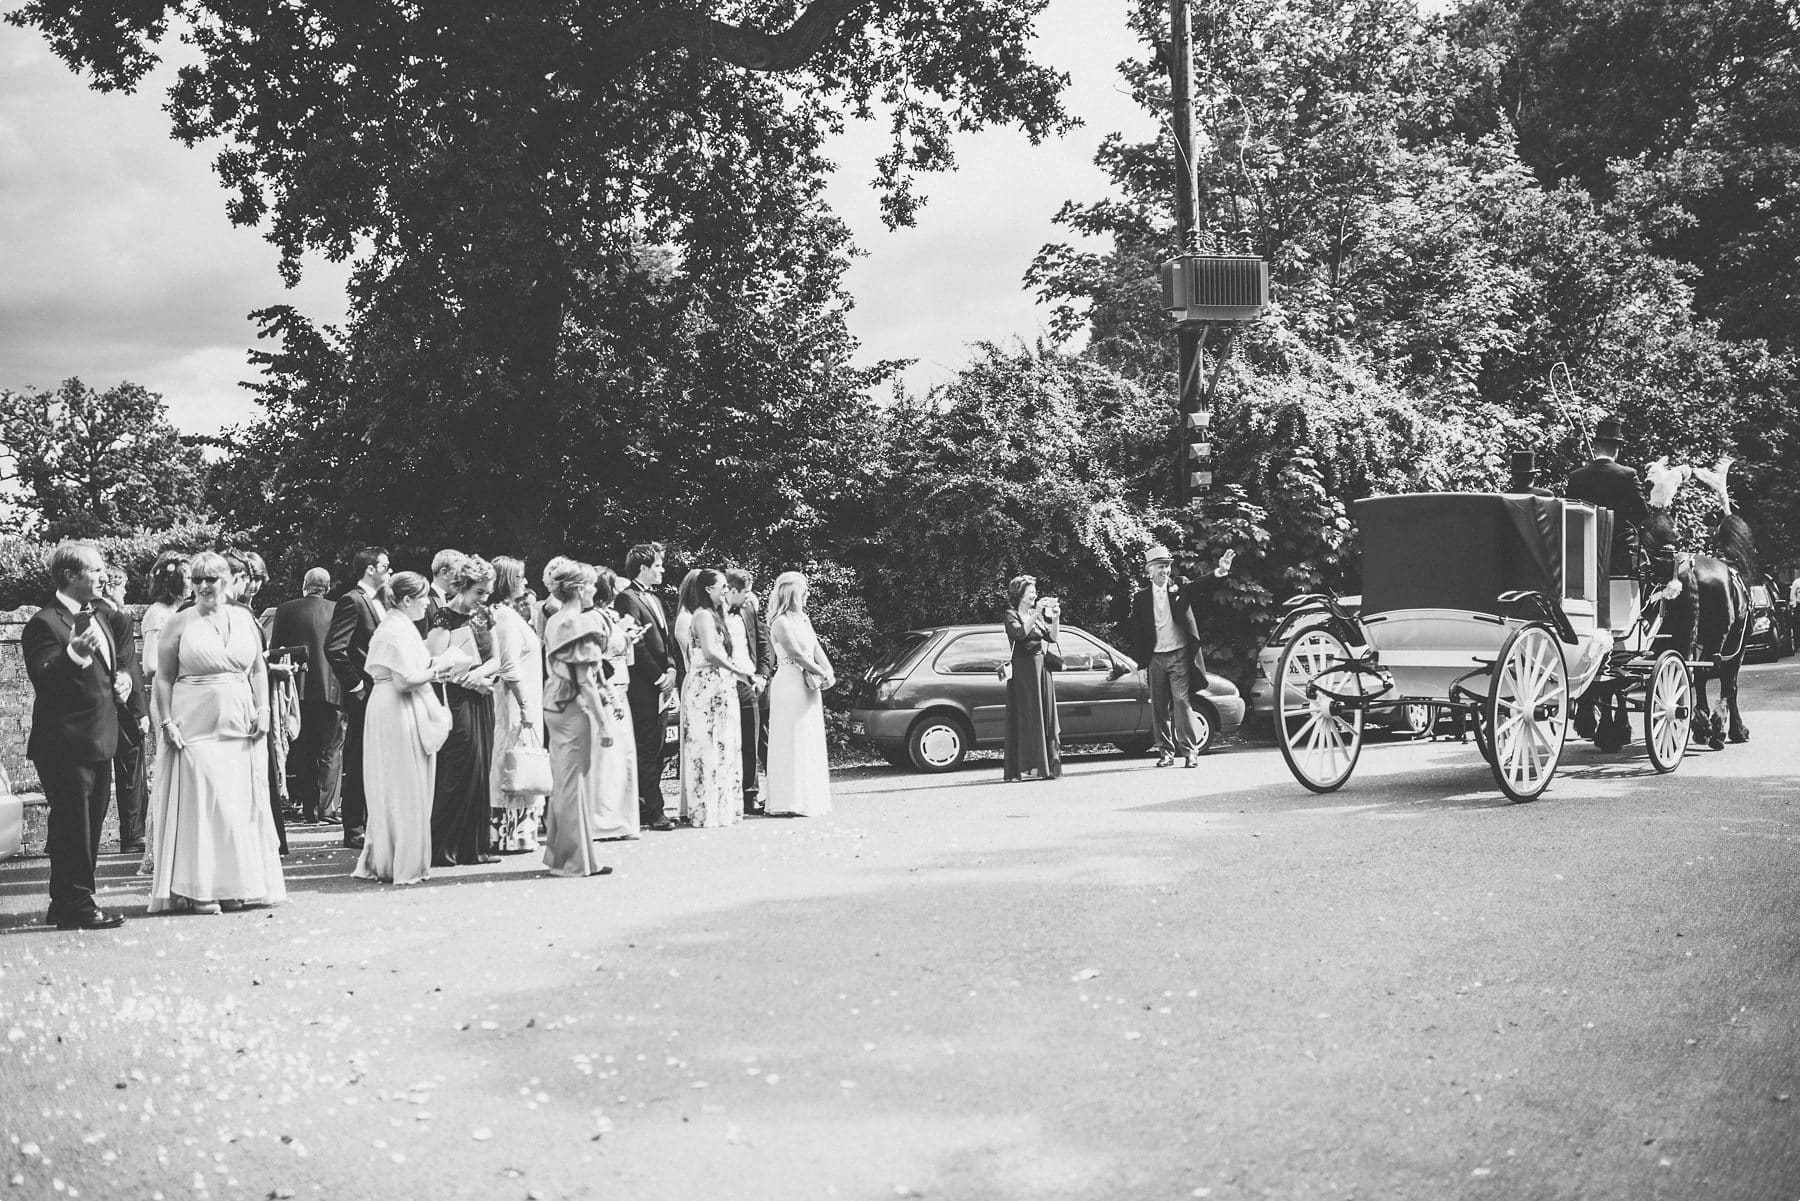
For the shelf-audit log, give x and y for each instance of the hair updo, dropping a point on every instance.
(406, 585)
(472, 571)
(169, 578)
(1015, 588)
(569, 579)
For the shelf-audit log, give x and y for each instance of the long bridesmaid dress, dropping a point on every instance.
(215, 835)
(399, 776)
(573, 640)
(712, 767)
(799, 771)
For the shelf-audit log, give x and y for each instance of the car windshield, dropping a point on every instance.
(1759, 596)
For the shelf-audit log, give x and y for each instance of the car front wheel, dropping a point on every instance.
(938, 742)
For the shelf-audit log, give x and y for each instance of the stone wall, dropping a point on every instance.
(15, 702)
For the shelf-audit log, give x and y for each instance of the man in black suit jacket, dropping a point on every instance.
(353, 623)
(73, 663)
(1604, 482)
(758, 653)
(652, 675)
(1165, 640)
(130, 785)
(316, 757)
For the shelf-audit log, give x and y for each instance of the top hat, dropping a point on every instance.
(1157, 553)
(1524, 463)
(1609, 430)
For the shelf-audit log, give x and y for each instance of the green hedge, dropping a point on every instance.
(24, 563)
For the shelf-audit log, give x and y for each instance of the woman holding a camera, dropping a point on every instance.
(1032, 626)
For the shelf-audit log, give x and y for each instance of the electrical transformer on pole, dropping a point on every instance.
(1207, 296)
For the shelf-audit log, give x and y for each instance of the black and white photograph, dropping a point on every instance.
(995, 600)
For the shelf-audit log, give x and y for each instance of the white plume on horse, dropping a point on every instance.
(1665, 481)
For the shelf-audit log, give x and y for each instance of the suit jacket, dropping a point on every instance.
(1604, 482)
(656, 652)
(134, 708)
(305, 621)
(1141, 626)
(756, 633)
(74, 712)
(353, 623)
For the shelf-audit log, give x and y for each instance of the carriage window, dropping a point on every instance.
(1577, 532)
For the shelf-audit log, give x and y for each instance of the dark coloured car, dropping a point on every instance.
(937, 695)
(1764, 635)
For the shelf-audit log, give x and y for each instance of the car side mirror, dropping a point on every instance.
(1119, 668)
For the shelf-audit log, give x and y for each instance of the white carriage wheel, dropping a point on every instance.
(1668, 710)
(1527, 712)
(1320, 743)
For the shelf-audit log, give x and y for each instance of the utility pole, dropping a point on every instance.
(1202, 293)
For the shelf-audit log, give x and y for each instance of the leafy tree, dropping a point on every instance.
(1013, 466)
(94, 463)
(502, 173)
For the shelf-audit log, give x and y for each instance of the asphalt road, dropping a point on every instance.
(1131, 982)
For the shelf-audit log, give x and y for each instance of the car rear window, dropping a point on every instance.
(901, 654)
(973, 653)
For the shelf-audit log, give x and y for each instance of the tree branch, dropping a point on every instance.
(627, 41)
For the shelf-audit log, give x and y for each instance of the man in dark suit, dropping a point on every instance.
(1604, 482)
(353, 623)
(1165, 640)
(652, 675)
(130, 786)
(750, 638)
(74, 666)
(317, 755)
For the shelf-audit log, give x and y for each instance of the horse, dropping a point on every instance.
(1705, 621)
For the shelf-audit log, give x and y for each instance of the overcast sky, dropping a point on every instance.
(117, 261)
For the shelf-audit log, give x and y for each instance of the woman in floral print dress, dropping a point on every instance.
(712, 769)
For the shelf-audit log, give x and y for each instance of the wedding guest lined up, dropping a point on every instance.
(616, 816)
(749, 636)
(216, 845)
(653, 676)
(799, 771)
(574, 640)
(712, 767)
(314, 762)
(462, 634)
(404, 725)
(518, 705)
(129, 772)
(168, 589)
(359, 612)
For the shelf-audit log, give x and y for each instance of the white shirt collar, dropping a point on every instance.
(68, 602)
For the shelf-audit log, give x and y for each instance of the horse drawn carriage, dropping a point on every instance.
(1495, 608)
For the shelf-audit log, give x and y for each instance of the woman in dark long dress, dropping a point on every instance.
(459, 804)
(1032, 741)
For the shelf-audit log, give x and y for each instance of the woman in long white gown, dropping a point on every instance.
(616, 798)
(518, 706)
(216, 845)
(403, 726)
(799, 772)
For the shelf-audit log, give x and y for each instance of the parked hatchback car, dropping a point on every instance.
(936, 695)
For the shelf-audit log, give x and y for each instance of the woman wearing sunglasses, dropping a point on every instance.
(216, 845)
